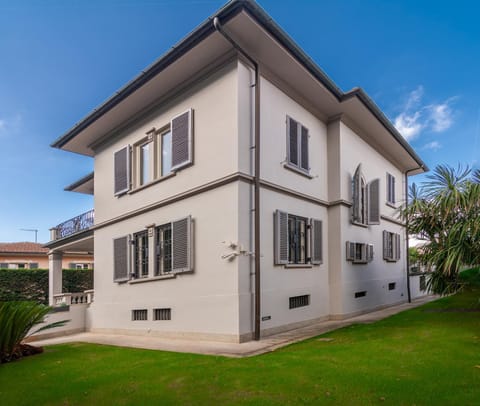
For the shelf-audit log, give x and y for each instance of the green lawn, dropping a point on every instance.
(426, 356)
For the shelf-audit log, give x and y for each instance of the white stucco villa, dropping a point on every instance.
(238, 192)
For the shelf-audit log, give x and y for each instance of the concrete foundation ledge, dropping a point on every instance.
(225, 338)
(291, 326)
(45, 335)
(365, 311)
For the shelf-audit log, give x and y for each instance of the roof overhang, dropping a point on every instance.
(84, 185)
(79, 242)
(277, 55)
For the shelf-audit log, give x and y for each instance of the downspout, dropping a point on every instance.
(256, 175)
(407, 253)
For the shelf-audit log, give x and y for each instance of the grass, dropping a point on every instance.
(426, 356)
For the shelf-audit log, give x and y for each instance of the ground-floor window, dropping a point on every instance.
(163, 249)
(359, 252)
(140, 243)
(391, 246)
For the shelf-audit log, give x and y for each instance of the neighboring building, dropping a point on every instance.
(231, 208)
(30, 255)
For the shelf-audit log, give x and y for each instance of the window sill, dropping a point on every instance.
(390, 204)
(153, 182)
(155, 278)
(298, 266)
(297, 170)
(359, 224)
(391, 260)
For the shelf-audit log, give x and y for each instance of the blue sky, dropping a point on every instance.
(59, 59)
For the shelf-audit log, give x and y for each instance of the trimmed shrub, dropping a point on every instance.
(77, 280)
(32, 284)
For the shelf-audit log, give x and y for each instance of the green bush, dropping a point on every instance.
(32, 284)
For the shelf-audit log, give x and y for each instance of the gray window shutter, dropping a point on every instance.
(369, 252)
(350, 246)
(292, 131)
(3, 265)
(397, 247)
(393, 189)
(304, 149)
(121, 163)
(182, 140)
(373, 190)
(182, 251)
(120, 259)
(385, 244)
(71, 265)
(316, 241)
(281, 237)
(356, 190)
(33, 265)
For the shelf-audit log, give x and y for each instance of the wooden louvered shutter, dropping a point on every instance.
(385, 245)
(356, 192)
(373, 191)
(393, 190)
(304, 149)
(182, 248)
(350, 247)
(120, 259)
(316, 242)
(33, 265)
(121, 162)
(182, 140)
(281, 238)
(3, 265)
(292, 131)
(397, 247)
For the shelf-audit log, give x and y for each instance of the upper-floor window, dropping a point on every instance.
(298, 240)
(365, 199)
(391, 246)
(390, 189)
(161, 152)
(297, 146)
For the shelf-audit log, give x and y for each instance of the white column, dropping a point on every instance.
(54, 275)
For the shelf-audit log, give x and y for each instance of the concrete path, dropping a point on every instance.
(247, 349)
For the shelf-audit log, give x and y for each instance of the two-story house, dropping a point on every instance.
(238, 191)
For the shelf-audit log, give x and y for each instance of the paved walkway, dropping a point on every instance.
(247, 349)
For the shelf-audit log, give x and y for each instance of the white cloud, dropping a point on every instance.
(440, 116)
(434, 145)
(417, 117)
(10, 125)
(409, 125)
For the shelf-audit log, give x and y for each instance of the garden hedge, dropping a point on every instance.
(32, 284)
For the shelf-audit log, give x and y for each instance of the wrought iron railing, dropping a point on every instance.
(74, 225)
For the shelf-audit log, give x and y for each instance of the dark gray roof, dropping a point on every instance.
(227, 12)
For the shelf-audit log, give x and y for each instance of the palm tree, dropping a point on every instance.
(445, 212)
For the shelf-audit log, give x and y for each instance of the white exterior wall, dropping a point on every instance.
(375, 276)
(279, 283)
(204, 302)
(215, 155)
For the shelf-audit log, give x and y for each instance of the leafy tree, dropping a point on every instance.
(445, 212)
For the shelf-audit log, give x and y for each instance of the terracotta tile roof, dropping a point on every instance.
(19, 247)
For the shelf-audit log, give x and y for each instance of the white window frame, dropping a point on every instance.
(298, 165)
(390, 190)
(391, 249)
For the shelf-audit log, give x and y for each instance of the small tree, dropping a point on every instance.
(16, 321)
(445, 212)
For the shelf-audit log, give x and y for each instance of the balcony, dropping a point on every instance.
(73, 226)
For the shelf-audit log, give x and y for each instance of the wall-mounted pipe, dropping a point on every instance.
(256, 175)
(407, 244)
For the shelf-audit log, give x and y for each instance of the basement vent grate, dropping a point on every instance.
(299, 301)
(391, 286)
(362, 293)
(162, 314)
(139, 314)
